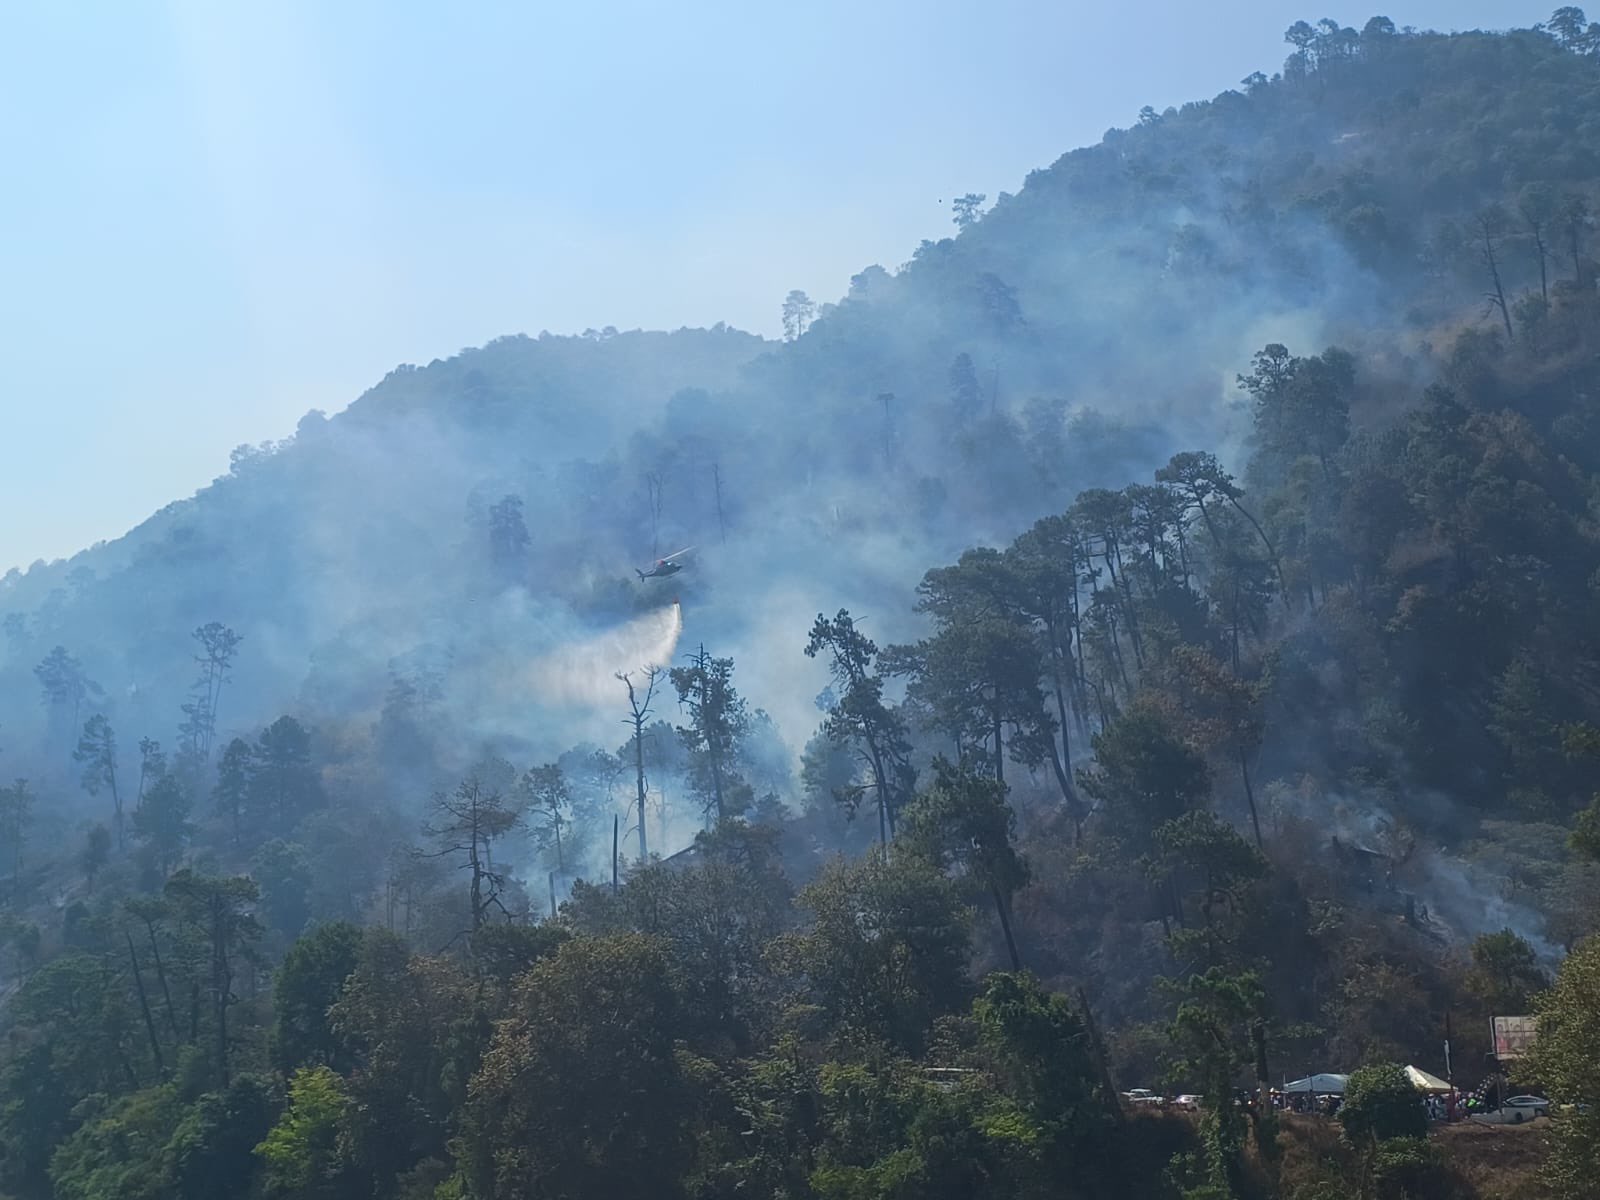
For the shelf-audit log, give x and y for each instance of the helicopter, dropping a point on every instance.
(664, 566)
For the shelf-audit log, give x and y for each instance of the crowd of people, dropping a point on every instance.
(1325, 1105)
(1451, 1106)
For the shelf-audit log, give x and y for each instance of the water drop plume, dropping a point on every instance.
(585, 673)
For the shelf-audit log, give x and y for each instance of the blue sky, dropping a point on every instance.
(218, 217)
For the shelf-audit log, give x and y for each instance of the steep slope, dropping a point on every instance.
(1103, 312)
(1262, 767)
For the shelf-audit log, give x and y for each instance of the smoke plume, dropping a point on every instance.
(585, 673)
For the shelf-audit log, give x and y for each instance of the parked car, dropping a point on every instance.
(1188, 1103)
(1534, 1106)
(1143, 1098)
(1514, 1111)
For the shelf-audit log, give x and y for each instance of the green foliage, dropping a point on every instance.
(284, 874)
(594, 1025)
(1585, 740)
(283, 785)
(309, 981)
(1409, 1168)
(1505, 973)
(416, 1034)
(962, 824)
(1038, 1046)
(162, 821)
(16, 814)
(1563, 1059)
(508, 538)
(719, 914)
(301, 1151)
(1380, 1104)
(718, 723)
(153, 1144)
(886, 951)
(96, 852)
(1389, 600)
(858, 717)
(504, 952)
(549, 802)
(212, 1151)
(1210, 1038)
(216, 912)
(97, 752)
(978, 678)
(1302, 406)
(887, 1132)
(119, 1152)
(231, 793)
(1144, 777)
(1200, 853)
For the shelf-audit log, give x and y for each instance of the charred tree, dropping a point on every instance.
(639, 702)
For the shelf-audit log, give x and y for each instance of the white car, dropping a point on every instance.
(1188, 1103)
(1143, 1098)
(1533, 1106)
(1514, 1111)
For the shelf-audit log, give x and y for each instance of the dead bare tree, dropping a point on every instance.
(464, 825)
(653, 482)
(1492, 223)
(716, 483)
(638, 714)
(887, 400)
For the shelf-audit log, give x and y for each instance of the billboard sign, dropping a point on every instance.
(1512, 1035)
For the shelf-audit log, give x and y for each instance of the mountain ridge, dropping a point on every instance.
(1210, 696)
(1025, 320)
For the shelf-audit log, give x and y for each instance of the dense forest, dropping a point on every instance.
(1149, 639)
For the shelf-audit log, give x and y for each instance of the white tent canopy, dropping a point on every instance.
(1424, 1082)
(1322, 1085)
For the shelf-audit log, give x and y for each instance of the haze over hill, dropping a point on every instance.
(1231, 569)
(1103, 312)
(258, 213)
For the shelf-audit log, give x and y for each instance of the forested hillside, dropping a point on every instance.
(1152, 637)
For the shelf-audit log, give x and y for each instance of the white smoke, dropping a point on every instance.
(585, 673)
